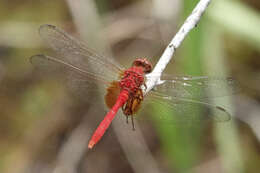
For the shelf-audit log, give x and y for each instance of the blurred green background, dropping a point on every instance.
(44, 129)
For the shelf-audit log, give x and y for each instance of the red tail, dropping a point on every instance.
(122, 98)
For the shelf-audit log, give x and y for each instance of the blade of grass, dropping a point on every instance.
(237, 19)
(226, 134)
(180, 143)
(132, 143)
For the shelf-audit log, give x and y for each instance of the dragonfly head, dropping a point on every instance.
(143, 62)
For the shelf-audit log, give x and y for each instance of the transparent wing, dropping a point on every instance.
(197, 87)
(81, 82)
(174, 110)
(74, 52)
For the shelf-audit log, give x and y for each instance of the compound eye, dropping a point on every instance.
(136, 63)
(148, 68)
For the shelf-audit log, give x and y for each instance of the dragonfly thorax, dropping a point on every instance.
(132, 79)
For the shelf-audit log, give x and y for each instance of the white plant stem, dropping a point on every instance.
(167, 55)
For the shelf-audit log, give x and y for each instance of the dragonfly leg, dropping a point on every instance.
(145, 86)
(126, 119)
(133, 124)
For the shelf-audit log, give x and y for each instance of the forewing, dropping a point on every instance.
(197, 87)
(76, 53)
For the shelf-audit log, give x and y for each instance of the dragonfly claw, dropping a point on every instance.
(126, 119)
(145, 86)
(133, 124)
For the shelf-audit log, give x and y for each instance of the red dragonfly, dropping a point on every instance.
(125, 86)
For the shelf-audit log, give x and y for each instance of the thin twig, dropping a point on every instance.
(167, 55)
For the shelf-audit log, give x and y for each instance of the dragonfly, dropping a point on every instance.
(125, 86)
